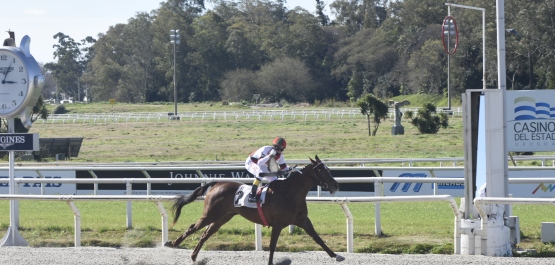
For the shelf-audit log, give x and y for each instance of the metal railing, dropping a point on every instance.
(252, 115)
(544, 161)
(157, 199)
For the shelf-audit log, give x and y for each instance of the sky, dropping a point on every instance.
(41, 20)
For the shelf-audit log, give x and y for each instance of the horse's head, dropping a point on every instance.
(323, 176)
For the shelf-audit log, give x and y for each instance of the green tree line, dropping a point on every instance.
(240, 48)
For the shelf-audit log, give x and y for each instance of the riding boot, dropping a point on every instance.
(252, 195)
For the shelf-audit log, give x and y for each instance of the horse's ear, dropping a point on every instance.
(312, 161)
(317, 158)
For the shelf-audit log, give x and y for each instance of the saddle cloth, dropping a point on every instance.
(241, 198)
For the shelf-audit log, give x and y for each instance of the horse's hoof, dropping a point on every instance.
(194, 257)
(169, 244)
(339, 258)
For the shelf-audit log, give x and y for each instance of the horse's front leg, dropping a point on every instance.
(306, 224)
(273, 242)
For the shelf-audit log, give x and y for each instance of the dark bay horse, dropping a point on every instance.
(285, 205)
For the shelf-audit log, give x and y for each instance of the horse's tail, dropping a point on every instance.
(183, 200)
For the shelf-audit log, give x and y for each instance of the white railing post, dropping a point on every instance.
(164, 216)
(258, 237)
(378, 192)
(129, 215)
(76, 223)
(350, 235)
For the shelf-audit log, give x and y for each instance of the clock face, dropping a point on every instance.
(14, 83)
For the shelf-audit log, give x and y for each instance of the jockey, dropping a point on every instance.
(257, 163)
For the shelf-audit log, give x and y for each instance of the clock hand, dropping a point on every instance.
(6, 73)
(8, 82)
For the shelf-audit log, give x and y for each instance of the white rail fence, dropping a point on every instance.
(77, 215)
(342, 201)
(543, 161)
(253, 115)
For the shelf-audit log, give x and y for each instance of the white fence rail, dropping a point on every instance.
(77, 215)
(544, 161)
(342, 201)
(253, 115)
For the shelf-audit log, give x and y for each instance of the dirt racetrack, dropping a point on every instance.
(152, 256)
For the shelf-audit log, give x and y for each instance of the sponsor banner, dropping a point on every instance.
(156, 188)
(179, 188)
(35, 188)
(411, 189)
(530, 119)
(534, 190)
(537, 190)
(19, 141)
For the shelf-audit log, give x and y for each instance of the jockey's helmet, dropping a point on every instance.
(280, 144)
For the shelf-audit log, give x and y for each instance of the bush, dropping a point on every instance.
(428, 121)
(60, 109)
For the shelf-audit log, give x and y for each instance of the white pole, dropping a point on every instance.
(12, 237)
(501, 71)
(484, 47)
(449, 62)
(502, 82)
(174, 81)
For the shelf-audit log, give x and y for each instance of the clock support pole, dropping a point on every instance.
(12, 237)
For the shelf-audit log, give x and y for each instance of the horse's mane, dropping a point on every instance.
(295, 174)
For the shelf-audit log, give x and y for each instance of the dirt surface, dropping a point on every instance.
(148, 256)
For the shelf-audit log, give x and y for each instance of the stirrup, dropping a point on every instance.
(252, 198)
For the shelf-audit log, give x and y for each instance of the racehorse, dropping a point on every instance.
(285, 205)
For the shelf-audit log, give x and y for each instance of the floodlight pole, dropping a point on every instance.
(175, 38)
(449, 5)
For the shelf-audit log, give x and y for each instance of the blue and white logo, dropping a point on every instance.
(407, 185)
(527, 108)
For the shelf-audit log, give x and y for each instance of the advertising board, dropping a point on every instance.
(530, 120)
(400, 188)
(35, 188)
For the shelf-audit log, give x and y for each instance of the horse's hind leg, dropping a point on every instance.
(177, 241)
(202, 222)
(213, 228)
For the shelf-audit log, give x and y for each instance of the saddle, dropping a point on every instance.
(242, 195)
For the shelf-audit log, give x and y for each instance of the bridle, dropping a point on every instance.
(315, 178)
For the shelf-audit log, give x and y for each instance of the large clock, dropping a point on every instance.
(20, 81)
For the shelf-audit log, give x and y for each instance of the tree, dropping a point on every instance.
(71, 63)
(285, 79)
(374, 109)
(324, 19)
(369, 54)
(355, 85)
(428, 69)
(238, 85)
(428, 121)
(349, 14)
(208, 58)
(107, 65)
